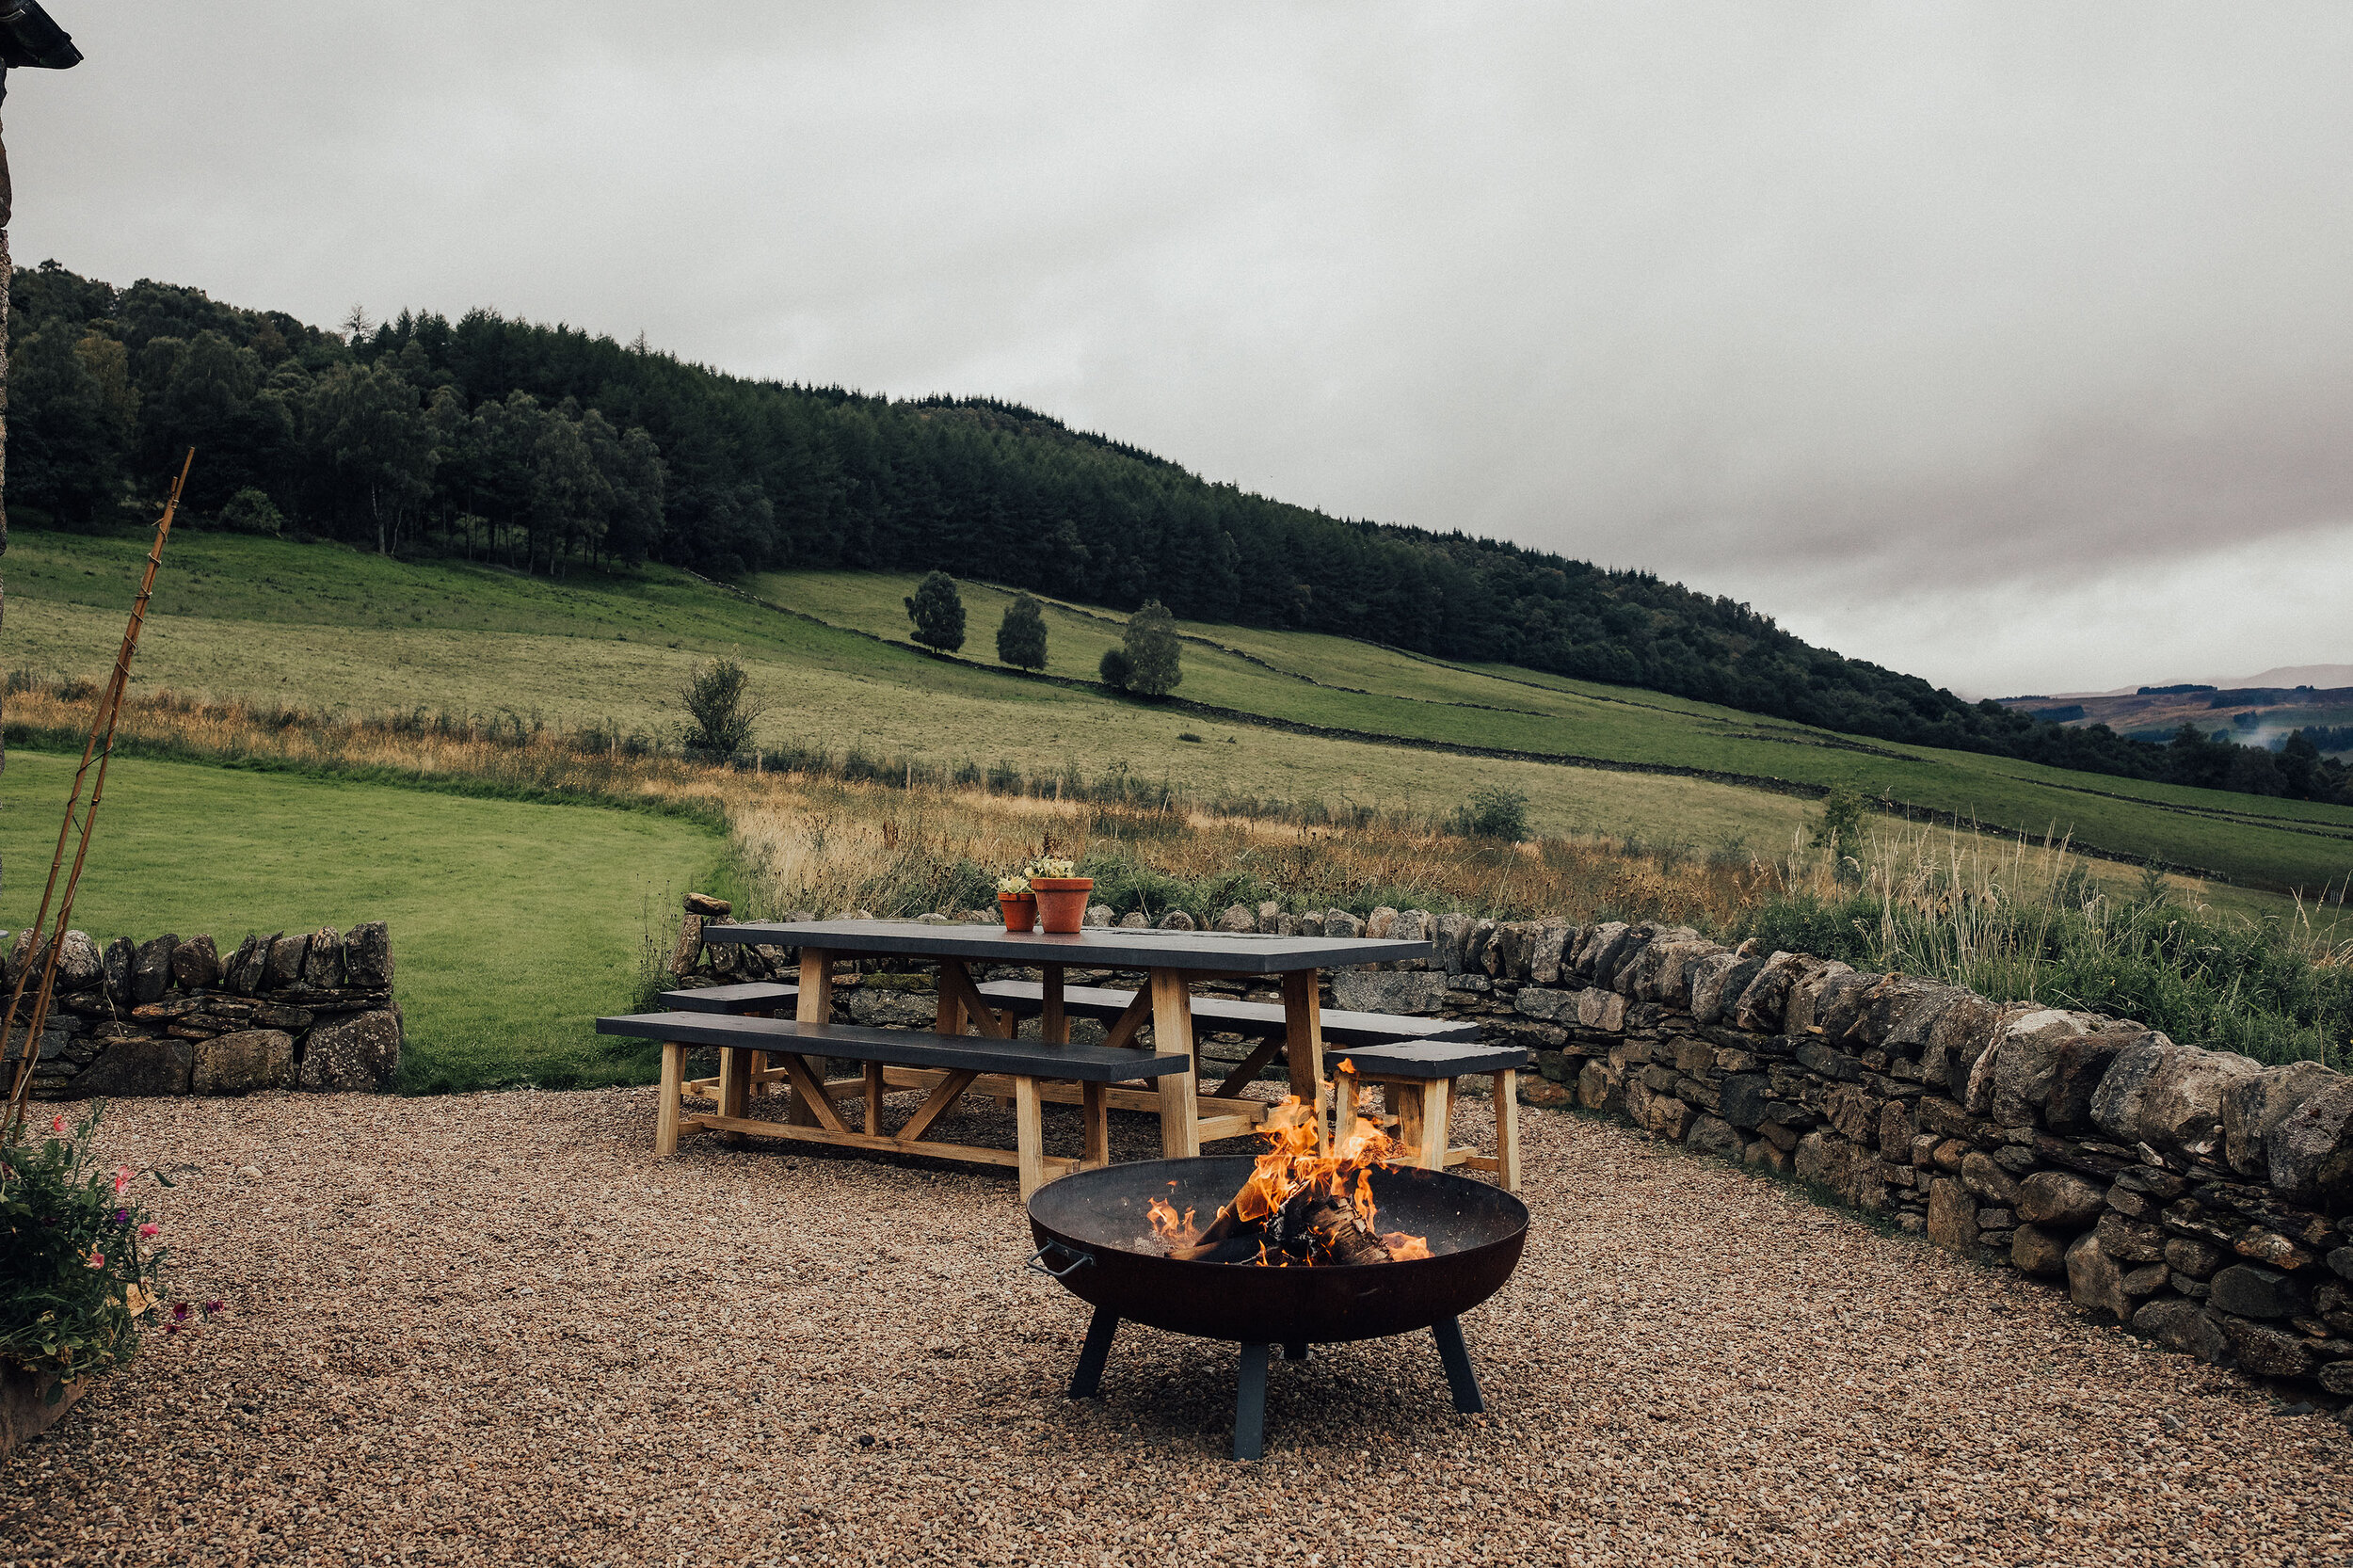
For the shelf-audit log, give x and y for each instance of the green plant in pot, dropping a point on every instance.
(1062, 893)
(1016, 902)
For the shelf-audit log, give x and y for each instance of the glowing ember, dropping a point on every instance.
(1298, 1209)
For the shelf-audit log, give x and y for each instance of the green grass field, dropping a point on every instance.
(513, 925)
(327, 626)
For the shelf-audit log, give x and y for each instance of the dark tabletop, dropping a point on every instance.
(1095, 947)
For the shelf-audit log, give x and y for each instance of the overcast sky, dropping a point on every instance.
(2009, 345)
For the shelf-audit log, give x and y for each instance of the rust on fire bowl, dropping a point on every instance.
(1475, 1232)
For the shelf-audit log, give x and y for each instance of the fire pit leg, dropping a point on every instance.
(1088, 1380)
(1295, 1350)
(1458, 1376)
(1250, 1404)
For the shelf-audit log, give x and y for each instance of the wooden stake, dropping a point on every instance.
(102, 743)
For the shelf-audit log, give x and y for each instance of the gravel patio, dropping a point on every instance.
(492, 1328)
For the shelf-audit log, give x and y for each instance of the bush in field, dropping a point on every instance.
(721, 711)
(250, 511)
(1154, 664)
(1494, 811)
(1840, 831)
(1116, 669)
(1021, 638)
(937, 611)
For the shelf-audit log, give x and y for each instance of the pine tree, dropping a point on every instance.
(938, 613)
(1152, 650)
(1021, 639)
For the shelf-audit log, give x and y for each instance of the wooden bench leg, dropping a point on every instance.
(734, 1070)
(873, 1097)
(1508, 1130)
(1405, 1105)
(813, 1006)
(1344, 1108)
(665, 1111)
(1095, 1109)
(1029, 1133)
(1438, 1102)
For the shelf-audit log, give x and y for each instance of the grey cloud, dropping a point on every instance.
(1816, 305)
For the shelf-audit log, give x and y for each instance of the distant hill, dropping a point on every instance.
(547, 448)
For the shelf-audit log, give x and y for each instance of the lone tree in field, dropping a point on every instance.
(1021, 639)
(938, 613)
(1116, 669)
(720, 709)
(1152, 650)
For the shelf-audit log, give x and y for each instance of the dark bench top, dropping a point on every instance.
(1430, 1059)
(750, 997)
(900, 1047)
(1242, 1017)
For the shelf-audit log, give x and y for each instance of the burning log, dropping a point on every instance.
(1298, 1209)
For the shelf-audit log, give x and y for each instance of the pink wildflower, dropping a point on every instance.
(122, 1178)
(57, 1124)
(150, 1229)
(211, 1307)
(179, 1312)
(97, 1259)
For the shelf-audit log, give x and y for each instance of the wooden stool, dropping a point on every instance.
(1418, 1079)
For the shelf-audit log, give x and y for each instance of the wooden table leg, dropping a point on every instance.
(814, 1007)
(1052, 1024)
(1172, 1035)
(665, 1111)
(1095, 1102)
(1508, 1130)
(1302, 1043)
(1029, 1133)
(873, 1097)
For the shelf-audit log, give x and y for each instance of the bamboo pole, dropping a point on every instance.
(101, 744)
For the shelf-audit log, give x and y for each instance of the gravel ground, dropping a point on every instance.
(490, 1328)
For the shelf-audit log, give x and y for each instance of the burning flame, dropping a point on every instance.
(1291, 1167)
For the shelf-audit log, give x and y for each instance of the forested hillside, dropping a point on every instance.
(541, 447)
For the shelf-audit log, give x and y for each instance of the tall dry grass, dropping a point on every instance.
(2011, 918)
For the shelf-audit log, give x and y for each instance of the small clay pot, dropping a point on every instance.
(1062, 900)
(1019, 909)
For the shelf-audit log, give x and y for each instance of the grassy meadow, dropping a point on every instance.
(325, 627)
(319, 736)
(513, 924)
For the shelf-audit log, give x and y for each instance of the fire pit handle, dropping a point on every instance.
(1078, 1260)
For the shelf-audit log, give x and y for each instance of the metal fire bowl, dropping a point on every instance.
(1475, 1233)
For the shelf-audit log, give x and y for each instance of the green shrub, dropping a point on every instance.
(1155, 664)
(1116, 669)
(1494, 811)
(720, 708)
(77, 1268)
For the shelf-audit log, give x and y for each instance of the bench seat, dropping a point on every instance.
(754, 995)
(1263, 1018)
(1417, 1078)
(946, 1065)
(905, 1048)
(1425, 1058)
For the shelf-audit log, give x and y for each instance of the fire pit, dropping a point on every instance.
(1109, 1235)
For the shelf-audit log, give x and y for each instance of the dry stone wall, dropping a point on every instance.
(293, 1010)
(2199, 1198)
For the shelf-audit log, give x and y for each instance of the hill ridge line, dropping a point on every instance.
(1904, 810)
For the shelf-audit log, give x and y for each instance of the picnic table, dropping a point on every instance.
(1172, 962)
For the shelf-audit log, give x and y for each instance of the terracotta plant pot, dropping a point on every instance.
(1062, 900)
(1019, 909)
